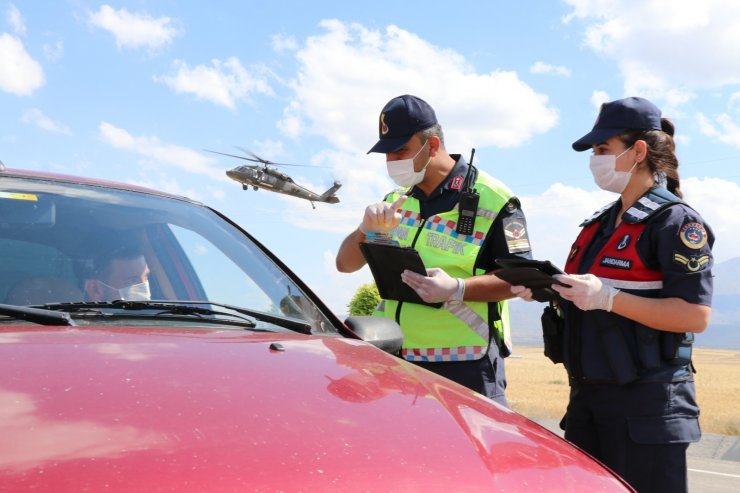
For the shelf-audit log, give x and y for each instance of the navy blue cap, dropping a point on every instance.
(618, 116)
(400, 119)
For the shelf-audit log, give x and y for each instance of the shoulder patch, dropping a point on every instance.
(692, 263)
(693, 235)
(515, 231)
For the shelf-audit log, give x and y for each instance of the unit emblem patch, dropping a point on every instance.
(693, 235)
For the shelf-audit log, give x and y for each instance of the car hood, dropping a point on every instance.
(103, 409)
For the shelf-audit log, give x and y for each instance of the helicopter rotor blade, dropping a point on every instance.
(254, 156)
(233, 155)
(267, 162)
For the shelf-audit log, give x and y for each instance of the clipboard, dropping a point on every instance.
(537, 275)
(386, 263)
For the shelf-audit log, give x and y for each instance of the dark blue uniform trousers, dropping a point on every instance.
(640, 430)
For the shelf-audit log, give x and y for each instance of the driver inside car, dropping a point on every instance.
(118, 273)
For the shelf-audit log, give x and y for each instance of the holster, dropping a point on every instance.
(676, 348)
(553, 330)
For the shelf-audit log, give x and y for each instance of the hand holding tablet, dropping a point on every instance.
(536, 275)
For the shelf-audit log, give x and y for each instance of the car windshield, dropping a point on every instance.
(68, 242)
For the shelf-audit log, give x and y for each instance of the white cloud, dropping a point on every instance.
(20, 74)
(665, 51)
(722, 128)
(716, 201)
(733, 102)
(16, 20)
(150, 147)
(134, 30)
(348, 73)
(546, 68)
(224, 83)
(272, 150)
(598, 98)
(54, 51)
(282, 43)
(36, 117)
(554, 216)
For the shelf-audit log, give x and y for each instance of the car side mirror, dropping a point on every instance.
(381, 332)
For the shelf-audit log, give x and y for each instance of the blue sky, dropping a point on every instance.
(134, 91)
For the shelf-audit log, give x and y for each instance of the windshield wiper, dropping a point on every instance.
(186, 308)
(36, 315)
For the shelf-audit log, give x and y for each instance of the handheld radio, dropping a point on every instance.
(468, 204)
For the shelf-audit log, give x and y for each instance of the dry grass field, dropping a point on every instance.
(539, 389)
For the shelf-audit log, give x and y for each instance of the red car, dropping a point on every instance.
(148, 343)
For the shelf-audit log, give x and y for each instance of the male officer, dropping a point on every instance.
(120, 272)
(467, 338)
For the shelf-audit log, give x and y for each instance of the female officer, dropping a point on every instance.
(638, 286)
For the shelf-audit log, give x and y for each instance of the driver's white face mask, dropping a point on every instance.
(135, 292)
(606, 176)
(402, 170)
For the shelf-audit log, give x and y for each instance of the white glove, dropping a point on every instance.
(522, 292)
(437, 286)
(382, 216)
(586, 291)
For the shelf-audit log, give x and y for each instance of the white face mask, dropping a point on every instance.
(135, 292)
(606, 176)
(402, 170)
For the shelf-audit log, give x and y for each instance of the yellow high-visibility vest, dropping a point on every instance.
(456, 331)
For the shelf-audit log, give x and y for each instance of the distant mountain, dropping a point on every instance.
(723, 331)
(727, 277)
(724, 328)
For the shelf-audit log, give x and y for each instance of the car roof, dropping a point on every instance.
(78, 180)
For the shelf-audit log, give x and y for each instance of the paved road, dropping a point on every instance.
(713, 475)
(714, 462)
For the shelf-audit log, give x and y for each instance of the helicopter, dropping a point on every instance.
(268, 177)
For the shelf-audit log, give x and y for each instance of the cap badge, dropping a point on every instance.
(383, 127)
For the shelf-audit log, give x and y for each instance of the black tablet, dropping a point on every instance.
(537, 275)
(386, 263)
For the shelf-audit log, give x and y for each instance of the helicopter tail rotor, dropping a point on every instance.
(329, 196)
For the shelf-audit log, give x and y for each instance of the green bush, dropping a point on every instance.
(365, 300)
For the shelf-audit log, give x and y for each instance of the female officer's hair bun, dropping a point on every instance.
(667, 126)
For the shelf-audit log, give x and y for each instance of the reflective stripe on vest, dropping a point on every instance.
(461, 353)
(457, 331)
(632, 285)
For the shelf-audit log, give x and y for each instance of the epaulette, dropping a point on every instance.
(656, 199)
(597, 215)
